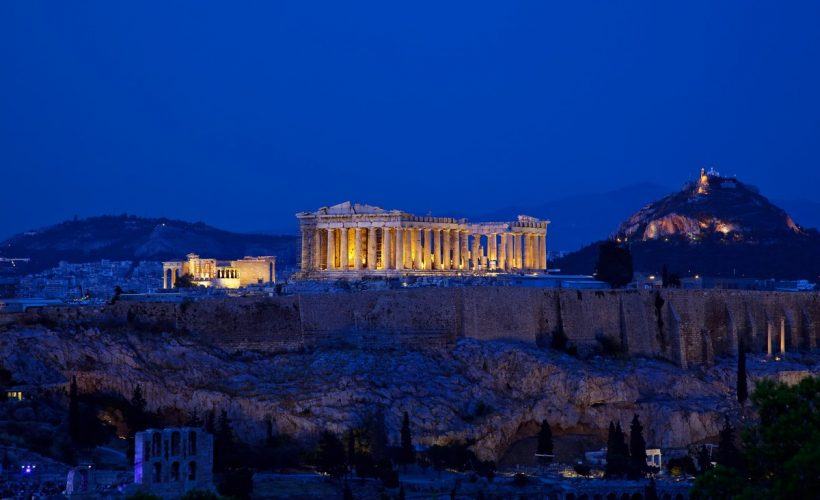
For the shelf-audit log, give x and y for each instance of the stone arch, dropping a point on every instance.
(169, 278)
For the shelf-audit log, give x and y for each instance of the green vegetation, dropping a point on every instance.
(780, 453)
(614, 264)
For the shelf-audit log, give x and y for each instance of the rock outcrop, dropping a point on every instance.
(489, 392)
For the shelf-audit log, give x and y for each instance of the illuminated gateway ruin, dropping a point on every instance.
(352, 240)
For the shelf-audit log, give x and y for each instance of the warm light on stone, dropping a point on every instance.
(392, 242)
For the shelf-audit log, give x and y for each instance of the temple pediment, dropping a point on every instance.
(348, 208)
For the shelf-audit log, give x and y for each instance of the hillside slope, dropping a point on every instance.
(128, 237)
(716, 226)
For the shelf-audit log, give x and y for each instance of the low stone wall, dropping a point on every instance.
(682, 326)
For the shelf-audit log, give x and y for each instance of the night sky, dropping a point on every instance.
(240, 116)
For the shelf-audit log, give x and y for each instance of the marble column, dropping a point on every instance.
(542, 248)
(528, 248)
(769, 339)
(514, 254)
(418, 261)
(456, 234)
(385, 247)
(465, 250)
(409, 246)
(446, 258)
(305, 250)
(371, 248)
(331, 249)
(344, 249)
(437, 249)
(492, 252)
(519, 250)
(475, 256)
(426, 256)
(357, 248)
(502, 252)
(399, 248)
(317, 249)
(782, 335)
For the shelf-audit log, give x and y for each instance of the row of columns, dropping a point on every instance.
(423, 248)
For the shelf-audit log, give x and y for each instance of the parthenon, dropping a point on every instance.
(350, 240)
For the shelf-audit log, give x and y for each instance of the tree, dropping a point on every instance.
(742, 389)
(617, 453)
(185, 281)
(651, 491)
(224, 443)
(727, 453)
(544, 439)
(73, 411)
(330, 456)
(408, 454)
(637, 450)
(138, 403)
(614, 264)
(780, 457)
(669, 280)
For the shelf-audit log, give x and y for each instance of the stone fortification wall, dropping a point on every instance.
(685, 327)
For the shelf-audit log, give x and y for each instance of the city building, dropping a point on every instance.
(353, 240)
(220, 274)
(169, 462)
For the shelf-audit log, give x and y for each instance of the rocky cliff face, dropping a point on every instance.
(492, 392)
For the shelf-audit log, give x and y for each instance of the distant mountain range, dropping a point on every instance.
(715, 226)
(577, 221)
(128, 237)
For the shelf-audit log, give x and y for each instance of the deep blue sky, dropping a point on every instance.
(242, 115)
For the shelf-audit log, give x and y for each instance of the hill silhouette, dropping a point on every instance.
(716, 226)
(128, 237)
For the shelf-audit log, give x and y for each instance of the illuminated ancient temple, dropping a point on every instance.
(219, 273)
(357, 240)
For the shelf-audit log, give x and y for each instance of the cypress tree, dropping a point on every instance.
(742, 388)
(651, 490)
(138, 404)
(544, 439)
(727, 453)
(73, 411)
(617, 452)
(408, 455)
(637, 449)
